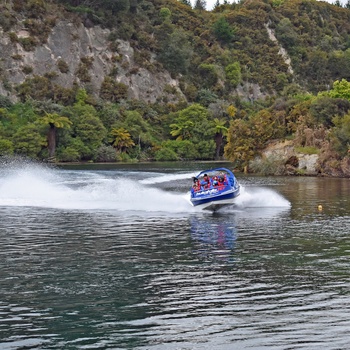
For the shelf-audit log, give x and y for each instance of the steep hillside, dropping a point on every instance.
(155, 63)
(73, 42)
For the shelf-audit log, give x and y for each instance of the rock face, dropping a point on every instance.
(71, 43)
(307, 163)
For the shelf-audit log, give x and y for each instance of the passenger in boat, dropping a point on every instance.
(196, 185)
(206, 181)
(215, 181)
(221, 182)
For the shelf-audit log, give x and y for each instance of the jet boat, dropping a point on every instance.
(214, 189)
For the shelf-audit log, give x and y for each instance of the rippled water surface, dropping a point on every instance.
(116, 258)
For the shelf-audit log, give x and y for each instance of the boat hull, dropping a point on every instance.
(215, 201)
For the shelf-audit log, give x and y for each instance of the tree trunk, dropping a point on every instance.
(218, 142)
(51, 140)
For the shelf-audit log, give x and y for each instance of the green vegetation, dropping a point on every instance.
(236, 91)
(307, 150)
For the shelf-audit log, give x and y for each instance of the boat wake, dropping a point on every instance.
(39, 186)
(260, 198)
(44, 187)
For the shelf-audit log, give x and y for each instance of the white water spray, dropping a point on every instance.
(261, 198)
(39, 186)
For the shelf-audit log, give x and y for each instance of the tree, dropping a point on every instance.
(186, 2)
(200, 5)
(341, 89)
(208, 73)
(116, 5)
(286, 34)
(205, 97)
(121, 139)
(247, 137)
(88, 131)
(139, 129)
(195, 117)
(165, 14)
(220, 131)
(222, 112)
(240, 142)
(54, 121)
(6, 147)
(91, 131)
(175, 150)
(324, 108)
(175, 52)
(193, 124)
(28, 142)
(316, 69)
(233, 73)
(182, 130)
(223, 31)
(340, 134)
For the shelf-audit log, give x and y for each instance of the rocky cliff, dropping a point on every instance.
(71, 45)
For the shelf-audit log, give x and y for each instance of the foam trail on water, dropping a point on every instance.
(40, 187)
(167, 177)
(260, 198)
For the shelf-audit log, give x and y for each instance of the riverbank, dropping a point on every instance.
(286, 159)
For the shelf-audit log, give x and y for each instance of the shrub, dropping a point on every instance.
(69, 154)
(83, 69)
(307, 150)
(165, 13)
(233, 73)
(37, 87)
(28, 43)
(6, 147)
(340, 134)
(113, 91)
(62, 66)
(271, 165)
(105, 154)
(5, 102)
(183, 149)
(205, 97)
(27, 69)
(208, 74)
(7, 20)
(166, 154)
(13, 37)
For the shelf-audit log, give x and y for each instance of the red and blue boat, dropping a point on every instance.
(214, 189)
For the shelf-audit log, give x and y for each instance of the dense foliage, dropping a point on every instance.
(219, 57)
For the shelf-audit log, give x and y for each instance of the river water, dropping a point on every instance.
(115, 257)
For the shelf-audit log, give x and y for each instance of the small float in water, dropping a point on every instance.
(214, 189)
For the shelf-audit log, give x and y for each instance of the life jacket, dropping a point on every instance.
(196, 186)
(221, 183)
(206, 182)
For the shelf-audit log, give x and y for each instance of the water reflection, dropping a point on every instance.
(213, 237)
